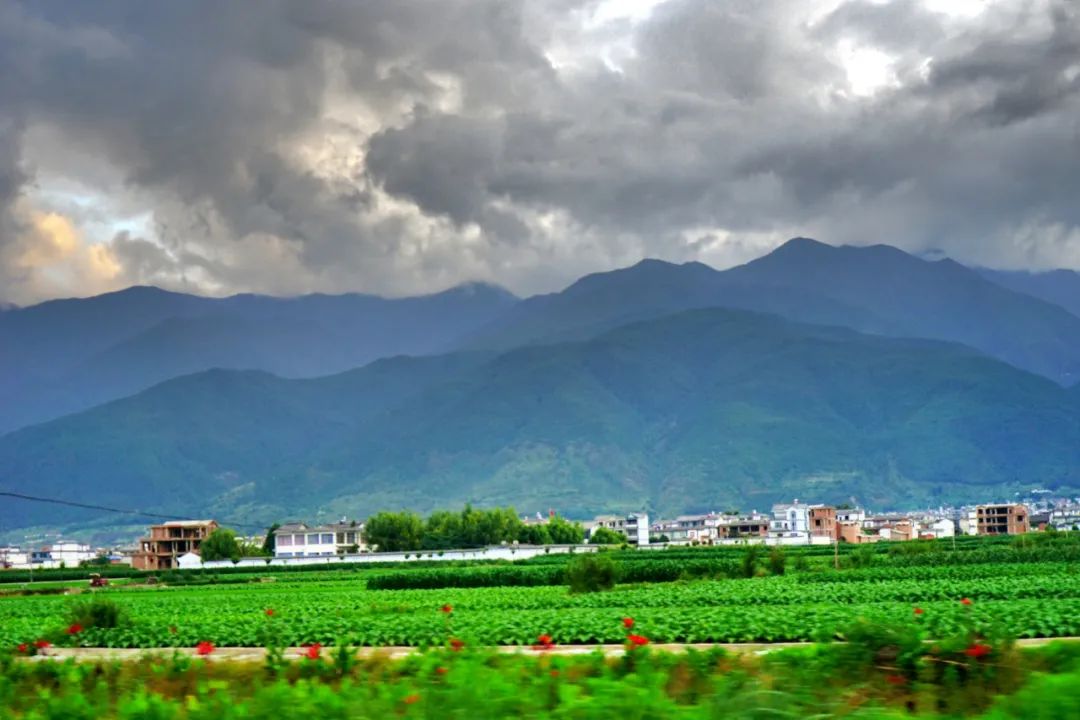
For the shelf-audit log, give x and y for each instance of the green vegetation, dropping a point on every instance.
(679, 595)
(470, 528)
(606, 536)
(884, 671)
(221, 545)
(591, 573)
(616, 421)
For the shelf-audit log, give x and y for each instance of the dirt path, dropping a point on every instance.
(258, 654)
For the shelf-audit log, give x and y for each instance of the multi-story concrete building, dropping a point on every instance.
(635, 526)
(1004, 519)
(301, 540)
(790, 519)
(169, 541)
(1065, 517)
(850, 514)
(745, 527)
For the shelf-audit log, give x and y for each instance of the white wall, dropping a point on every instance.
(495, 552)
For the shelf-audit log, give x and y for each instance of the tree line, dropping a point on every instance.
(469, 528)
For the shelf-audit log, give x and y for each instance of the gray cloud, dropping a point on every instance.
(404, 146)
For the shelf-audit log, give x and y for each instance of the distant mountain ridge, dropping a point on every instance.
(874, 289)
(697, 410)
(67, 355)
(1061, 287)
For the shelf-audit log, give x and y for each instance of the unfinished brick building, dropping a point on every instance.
(169, 541)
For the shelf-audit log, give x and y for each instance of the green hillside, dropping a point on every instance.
(704, 409)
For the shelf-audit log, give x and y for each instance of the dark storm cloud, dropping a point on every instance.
(400, 146)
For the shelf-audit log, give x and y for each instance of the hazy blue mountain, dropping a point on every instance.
(1061, 287)
(876, 289)
(703, 409)
(68, 355)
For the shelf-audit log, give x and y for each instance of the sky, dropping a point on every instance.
(400, 147)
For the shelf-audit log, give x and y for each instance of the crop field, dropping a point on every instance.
(928, 632)
(1020, 592)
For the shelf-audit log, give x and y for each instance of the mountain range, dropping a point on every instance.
(815, 371)
(68, 355)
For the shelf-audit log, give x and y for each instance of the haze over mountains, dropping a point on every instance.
(671, 387)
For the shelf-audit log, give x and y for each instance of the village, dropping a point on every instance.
(176, 544)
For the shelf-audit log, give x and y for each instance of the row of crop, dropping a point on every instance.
(885, 573)
(1022, 618)
(657, 571)
(1044, 580)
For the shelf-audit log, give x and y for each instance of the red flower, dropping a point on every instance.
(554, 673)
(410, 699)
(74, 629)
(637, 640)
(312, 652)
(23, 648)
(628, 623)
(456, 644)
(965, 601)
(448, 608)
(441, 670)
(269, 612)
(895, 679)
(544, 642)
(978, 650)
(41, 644)
(204, 648)
(918, 611)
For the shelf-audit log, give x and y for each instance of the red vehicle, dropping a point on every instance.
(97, 581)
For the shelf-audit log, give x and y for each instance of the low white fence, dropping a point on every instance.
(494, 552)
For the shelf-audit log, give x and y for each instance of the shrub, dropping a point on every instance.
(777, 561)
(98, 612)
(592, 573)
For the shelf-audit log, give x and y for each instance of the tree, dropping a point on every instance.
(606, 536)
(221, 545)
(535, 535)
(564, 532)
(270, 543)
(395, 532)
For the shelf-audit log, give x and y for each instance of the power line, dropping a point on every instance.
(103, 508)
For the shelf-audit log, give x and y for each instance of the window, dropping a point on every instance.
(284, 540)
(313, 539)
(350, 538)
(298, 539)
(328, 538)
(341, 538)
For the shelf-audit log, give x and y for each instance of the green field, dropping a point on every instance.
(1025, 590)
(928, 631)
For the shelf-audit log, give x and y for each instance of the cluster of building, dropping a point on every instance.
(177, 544)
(59, 554)
(803, 523)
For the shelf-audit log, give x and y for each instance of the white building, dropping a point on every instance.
(941, 528)
(969, 521)
(1065, 517)
(856, 515)
(300, 540)
(70, 554)
(13, 557)
(791, 520)
(635, 527)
